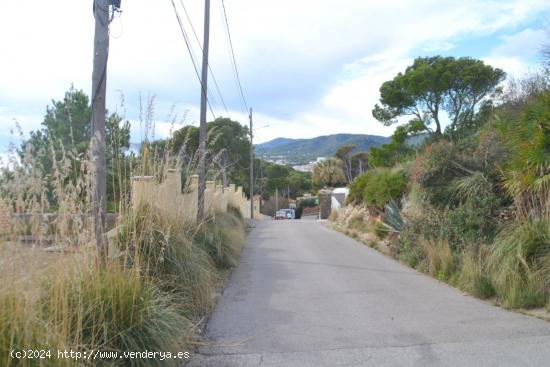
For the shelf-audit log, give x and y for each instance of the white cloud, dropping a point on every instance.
(516, 50)
(13, 123)
(438, 46)
(526, 43)
(347, 103)
(513, 66)
(308, 67)
(8, 159)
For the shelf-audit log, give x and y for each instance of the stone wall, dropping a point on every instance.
(325, 201)
(169, 198)
(257, 201)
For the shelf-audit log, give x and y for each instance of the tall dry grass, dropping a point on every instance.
(156, 286)
(439, 258)
(113, 308)
(473, 272)
(518, 263)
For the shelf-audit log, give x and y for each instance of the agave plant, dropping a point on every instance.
(392, 218)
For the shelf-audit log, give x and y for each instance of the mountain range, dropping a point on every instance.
(300, 151)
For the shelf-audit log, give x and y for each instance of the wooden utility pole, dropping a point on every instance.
(99, 87)
(204, 99)
(251, 167)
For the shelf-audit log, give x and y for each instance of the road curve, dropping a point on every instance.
(305, 295)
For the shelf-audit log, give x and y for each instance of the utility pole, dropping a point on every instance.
(204, 99)
(251, 167)
(276, 200)
(99, 87)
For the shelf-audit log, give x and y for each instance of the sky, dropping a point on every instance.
(307, 68)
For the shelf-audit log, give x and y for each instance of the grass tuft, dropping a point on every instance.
(222, 237)
(473, 275)
(515, 265)
(439, 258)
(113, 309)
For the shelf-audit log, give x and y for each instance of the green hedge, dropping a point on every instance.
(378, 186)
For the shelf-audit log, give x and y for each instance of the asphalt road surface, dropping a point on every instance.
(304, 295)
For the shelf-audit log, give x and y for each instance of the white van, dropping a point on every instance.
(285, 214)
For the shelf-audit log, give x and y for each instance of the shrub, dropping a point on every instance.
(222, 237)
(384, 185)
(379, 229)
(356, 189)
(164, 251)
(183, 260)
(410, 252)
(434, 171)
(398, 150)
(439, 258)
(308, 203)
(474, 277)
(471, 222)
(468, 223)
(527, 171)
(357, 222)
(113, 309)
(378, 186)
(516, 266)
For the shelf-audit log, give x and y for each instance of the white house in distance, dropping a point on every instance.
(338, 198)
(309, 166)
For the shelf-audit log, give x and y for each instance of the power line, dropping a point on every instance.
(189, 49)
(236, 71)
(200, 46)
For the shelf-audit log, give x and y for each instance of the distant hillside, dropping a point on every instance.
(277, 142)
(299, 151)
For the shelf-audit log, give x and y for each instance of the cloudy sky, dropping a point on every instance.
(308, 68)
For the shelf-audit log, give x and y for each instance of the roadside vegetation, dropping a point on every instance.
(159, 282)
(471, 204)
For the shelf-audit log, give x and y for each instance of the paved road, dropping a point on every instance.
(304, 295)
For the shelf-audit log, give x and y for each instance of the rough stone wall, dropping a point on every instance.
(325, 201)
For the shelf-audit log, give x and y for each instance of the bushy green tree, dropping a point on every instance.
(66, 130)
(432, 85)
(66, 125)
(227, 145)
(344, 156)
(328, 173)
(351, 163)
(390, 154)
(271, 176)
(359, 163)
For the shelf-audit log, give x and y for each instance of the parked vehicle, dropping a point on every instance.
(285, 214)
(290, 213)
(281, 214)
